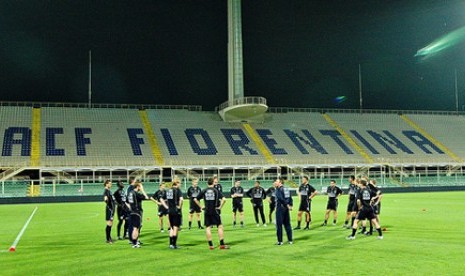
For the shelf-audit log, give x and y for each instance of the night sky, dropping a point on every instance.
(297, 53)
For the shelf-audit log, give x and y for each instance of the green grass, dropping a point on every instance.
(424, 237)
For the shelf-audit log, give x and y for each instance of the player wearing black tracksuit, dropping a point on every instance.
(283, 206)
(257, 194)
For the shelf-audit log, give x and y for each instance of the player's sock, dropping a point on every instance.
(190, 224)
(118, 228)
(298, 224)
(125, 228)
(221, 242)
(108, 232)
(234, 223)
(171, 240)
(364, 229)
(210, 243)
(200, 225)
(353, 232)
(334, 221)
(308, 224)
(242, 223)
(346, 222)
(353, 218)
(371, 227)
(379, 231)
(175, 240)
(326, 221)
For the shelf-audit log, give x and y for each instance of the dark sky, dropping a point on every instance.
(297, 53)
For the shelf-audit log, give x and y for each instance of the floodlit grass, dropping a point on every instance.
(424, 237)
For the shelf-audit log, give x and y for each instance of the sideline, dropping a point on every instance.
(15, 243)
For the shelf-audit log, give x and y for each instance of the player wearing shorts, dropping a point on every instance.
(305, 192)
(333, 192)
(192, 193)
(109, 209)
(352, 205)
(271, 194)
(173, 203)
(364, 201)
(377, 195)
(121, 210)
(134, 202)
(162, 211)
(237, 193)
(213, 201)
(257, 194)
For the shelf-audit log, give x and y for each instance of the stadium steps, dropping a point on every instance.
(188, 174)
(349, 139)
(291, 184)
(301, 171)
(260, 145)
(154, 146)
(10, 173)
(35, 139)
(33, 190)
(397, 181)
(436, 142)
(63, 176)
(256, 173)
(401, 171)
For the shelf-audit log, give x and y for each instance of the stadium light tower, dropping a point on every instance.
(238, 108)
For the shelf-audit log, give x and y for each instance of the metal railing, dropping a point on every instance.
(319, 180)
(102, 105)
(240, 101)
(364, 111)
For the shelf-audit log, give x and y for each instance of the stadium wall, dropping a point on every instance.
(65, 199)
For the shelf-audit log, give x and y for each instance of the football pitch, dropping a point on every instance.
(424, 236)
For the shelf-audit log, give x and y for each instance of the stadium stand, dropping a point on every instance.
(201, 138)
(77, 137)
(390, 140)
(449, 129)
(135, 141)
(66, 134)
(15, 121)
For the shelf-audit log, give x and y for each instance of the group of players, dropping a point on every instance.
(364, 204)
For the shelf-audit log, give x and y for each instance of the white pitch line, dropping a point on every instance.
(15, 243)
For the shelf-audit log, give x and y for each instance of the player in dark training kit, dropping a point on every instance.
(271, 194)
(213, 201)
(377, 195)
(134, 202)
(162, 211)
(218, 187)
(109, 210)
(352, 205)
(283, 206)
(237, 193)
(192, 193)
(173, 203)
(364, 201)
(257, 195)
(121, 210)
(333, 192)
(306, 192)
(132, 183)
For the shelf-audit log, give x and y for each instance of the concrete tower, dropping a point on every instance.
(238, 108)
